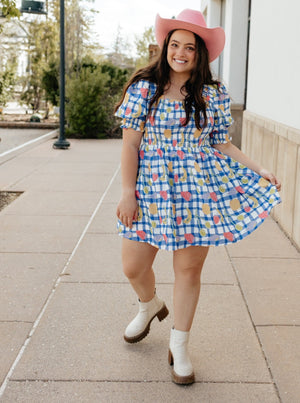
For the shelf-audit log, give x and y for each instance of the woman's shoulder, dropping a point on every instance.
(143, 87)
(214, 90)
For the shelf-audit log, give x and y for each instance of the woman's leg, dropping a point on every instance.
(188, 265)
(137, 260)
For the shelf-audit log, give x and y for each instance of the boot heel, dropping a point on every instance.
(170, 358)
(163, 313)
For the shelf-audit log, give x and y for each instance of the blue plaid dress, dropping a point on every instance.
(188, 192)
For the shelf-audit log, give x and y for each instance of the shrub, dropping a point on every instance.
(91, 94)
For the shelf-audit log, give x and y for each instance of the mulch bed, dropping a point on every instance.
(7, 197)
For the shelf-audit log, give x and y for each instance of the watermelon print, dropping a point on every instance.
(188, 192)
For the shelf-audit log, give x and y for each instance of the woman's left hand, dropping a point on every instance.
(270, 177)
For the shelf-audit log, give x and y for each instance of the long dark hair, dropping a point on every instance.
(158, 72)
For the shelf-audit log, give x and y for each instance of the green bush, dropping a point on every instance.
(91, 94)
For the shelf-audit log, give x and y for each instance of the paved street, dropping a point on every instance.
(11, 138)
(64, 302)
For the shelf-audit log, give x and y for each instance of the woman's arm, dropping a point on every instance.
(233, 152)
(127, 209)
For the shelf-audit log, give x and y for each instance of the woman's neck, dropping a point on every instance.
(173, 90)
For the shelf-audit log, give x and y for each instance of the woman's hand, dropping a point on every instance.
(270, 177)
(127, 210)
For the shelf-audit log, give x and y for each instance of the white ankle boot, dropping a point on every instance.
(140, 326)
(182, 372)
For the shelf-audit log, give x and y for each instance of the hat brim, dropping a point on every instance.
(214, 38)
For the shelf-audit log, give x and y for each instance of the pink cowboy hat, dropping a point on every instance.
(192, 20)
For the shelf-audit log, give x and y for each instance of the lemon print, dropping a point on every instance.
(154, 139)
(271, 200)
(239, 227)
(222, 107)
(222, 188)
(203, 232)
(225, 179)
(153, 208)
(162, 116)
(169, 110)
(206, 209)
(263, 182)
(126, 98)
(208, 225)
(235, 204)
(171, 183)
(240, 217)
(170, 166)
(200, 182)
(173, 209)
(244, 181)
(146, 190)
(153, 223)
(168, 133)
(272, 191)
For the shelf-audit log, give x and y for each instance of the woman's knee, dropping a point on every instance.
(188, 274)
(133, 269)
(137, 258)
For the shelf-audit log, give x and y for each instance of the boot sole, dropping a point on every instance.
(161, 315)
(180, 380)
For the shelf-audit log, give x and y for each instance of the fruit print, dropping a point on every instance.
(163, 194)
(189, 238)
(189, 193)
(153, 208)
(186, 195)
(188, 219)
(168, 133)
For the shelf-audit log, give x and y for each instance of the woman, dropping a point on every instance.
(184, 185)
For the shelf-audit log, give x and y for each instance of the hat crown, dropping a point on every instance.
(192, 17)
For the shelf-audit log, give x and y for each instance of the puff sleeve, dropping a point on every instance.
(134, 108)
(222, 117)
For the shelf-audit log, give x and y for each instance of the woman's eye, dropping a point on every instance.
(190, 48)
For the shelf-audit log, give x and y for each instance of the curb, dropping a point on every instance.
(28, 125)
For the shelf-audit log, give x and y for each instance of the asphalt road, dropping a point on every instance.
(11, 138)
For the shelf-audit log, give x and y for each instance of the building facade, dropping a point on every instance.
(260, 65)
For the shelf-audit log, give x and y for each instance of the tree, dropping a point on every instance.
(7, 81)
(92, 92)
(119, 56)
(9, 9)
(142, 46)
(43, 48)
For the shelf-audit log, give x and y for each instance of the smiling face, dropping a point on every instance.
(181, 52)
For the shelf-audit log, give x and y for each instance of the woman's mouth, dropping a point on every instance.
(179, 61)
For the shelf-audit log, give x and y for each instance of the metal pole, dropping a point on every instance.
(62, 142)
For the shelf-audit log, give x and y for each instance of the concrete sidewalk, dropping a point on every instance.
(64, 301)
